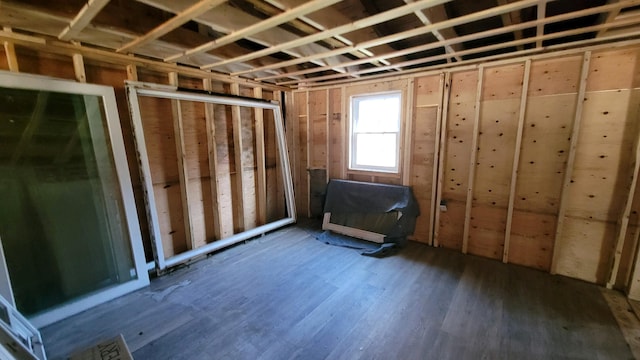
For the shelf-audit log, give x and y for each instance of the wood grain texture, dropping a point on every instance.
(288, 296)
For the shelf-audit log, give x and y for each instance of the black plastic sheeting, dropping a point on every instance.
(346, 197)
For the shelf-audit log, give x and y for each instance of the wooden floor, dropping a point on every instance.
(287, 295)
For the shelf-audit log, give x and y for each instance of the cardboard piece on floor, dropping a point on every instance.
(112, 349)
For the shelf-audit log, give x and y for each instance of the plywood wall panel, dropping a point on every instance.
(614, 69)
(318, 129)
(545, 147)
(226, 166)
(197, 164)
(427, 91)
(32, 62)
(601, 164)
(486, 237)
(555, 76)
(459, 135)
(422, 165)
(496, 141)
(502, 82)
(584, 250)
(532, 236)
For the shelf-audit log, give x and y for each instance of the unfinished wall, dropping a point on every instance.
(199, 199)
(537, 166)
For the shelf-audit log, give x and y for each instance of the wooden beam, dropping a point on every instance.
(260, 161)
(431, 46)
(181, 154)
(542, 13)
(438, 34)
(511, 19)
(472, 162)
(191, 12)
(479, 50)
(553, 51)
(516, 160)
(236, 120)
(132, 72)
(442, 150)
(84, 17)
(623, 222)
(78, 67)
(274, 21)
(68, 49)
(407, 148)
(410, 33)
(568, 174)
(212, 156)
(369, 21)
(435, 197)
(10, 53)
(609, 16)
(315, 22)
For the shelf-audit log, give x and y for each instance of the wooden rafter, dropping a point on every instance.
(441, 35)
(227, 19)
(470, 37)
(511, 19)
(164, 28)
(84, 17)
(320, 21)
(256, 28)
(369, 21)
(542, 12)
(407, 34)
(482, 49)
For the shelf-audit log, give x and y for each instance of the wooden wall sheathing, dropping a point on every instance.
(498, 123)
(427, 100)
(300, 145)
(599, 186)
(335, 145)
(532, 184)
(459, 133)
(197, 163)
(545, 146)
(161, 149)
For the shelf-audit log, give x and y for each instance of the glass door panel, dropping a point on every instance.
(62, 216)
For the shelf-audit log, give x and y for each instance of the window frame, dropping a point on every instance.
(352, 146)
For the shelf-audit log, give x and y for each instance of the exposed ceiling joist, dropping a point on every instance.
(441, 35)
(256, 28)
(409, 33)
(369, 21)
(556, 35)
(84, 17)
(172, 24)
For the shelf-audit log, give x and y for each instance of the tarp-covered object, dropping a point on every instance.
(346, 197)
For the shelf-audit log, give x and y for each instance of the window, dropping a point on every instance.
(375, 132)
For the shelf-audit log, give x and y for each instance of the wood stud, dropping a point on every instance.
(178, 130)
(472, 162)
(441, 151)
(212, 150)
(571, 159)
(516, 159)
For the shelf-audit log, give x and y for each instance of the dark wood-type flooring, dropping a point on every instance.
(287, 295)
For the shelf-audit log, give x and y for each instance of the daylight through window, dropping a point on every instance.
(375, 132)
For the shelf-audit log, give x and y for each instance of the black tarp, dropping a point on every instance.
(345, 198)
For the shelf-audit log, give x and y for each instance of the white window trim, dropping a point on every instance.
(352, 142)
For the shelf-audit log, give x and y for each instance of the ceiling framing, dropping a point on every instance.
(305, 43)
